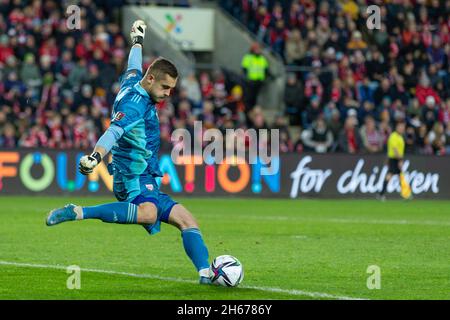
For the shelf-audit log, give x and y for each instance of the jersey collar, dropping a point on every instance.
(141, 90)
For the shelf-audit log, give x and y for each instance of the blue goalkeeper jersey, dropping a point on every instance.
(136, 151)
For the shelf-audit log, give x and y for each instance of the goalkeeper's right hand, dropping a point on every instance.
(137, 33)
(88, 163)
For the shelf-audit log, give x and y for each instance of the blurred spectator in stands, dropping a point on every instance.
(349, 139)
(236, 106)
(335, 123)
(30, 73)
(437, 139)
(422, 141)
(6, 50)
(293, 99)
(436, 53)
(376, 65)
(219, 90)
(8, 137)
(34, 138)
(356, 42)
(358, 66)
(295, 48)
(281, 123)
(399, 90)
(206, 85)
(410, 140)
(367, 109)
(318, 137)
(256, 69)
(424, 90)
(78, 74)
(286, 145)
(208, 116)
(257, 119)
(350, 8)
(444, 114)
(365, 91)
(371, 138)
(278, 36)
(263, 19)
(430, 112)
(313, 87)
(312, 111)
(192, 87)
(382, 92)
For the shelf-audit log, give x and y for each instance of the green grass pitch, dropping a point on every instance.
(290, 249)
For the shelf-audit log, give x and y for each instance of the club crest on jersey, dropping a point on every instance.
(133, 74)
(118, 115)
(149, 187)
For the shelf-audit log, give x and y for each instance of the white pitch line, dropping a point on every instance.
(150, 276)
(358, 221)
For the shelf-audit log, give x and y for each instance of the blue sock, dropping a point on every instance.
(195, 247)
(117, 212)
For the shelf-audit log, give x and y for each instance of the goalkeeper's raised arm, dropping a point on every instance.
(109, 138)
(137, 36)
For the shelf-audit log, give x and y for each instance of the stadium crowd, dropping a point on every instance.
(57, 85)
(359, 81)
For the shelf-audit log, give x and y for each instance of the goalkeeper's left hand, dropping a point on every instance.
(137, 33)
(88, 163)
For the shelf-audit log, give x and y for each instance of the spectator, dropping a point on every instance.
(410, 140)
(437, 139)
(372, 139)
(293, 99)
(192, 87)
(424, 90)
(235, 105)
(278, 37)
(257, 119)
(356, 42)
(349, 138)
(350, 8)
(295, 48)
(311, 112)
(313, 86)
(429, 112)
(78, 74)
(318, 138)
(382, 92)
(206, 85)
(30, 73)
(8, 137)
(286, 144)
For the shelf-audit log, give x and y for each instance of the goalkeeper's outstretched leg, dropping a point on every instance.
(145, 214)
(193, 243)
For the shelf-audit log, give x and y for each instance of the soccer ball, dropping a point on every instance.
(226, 271)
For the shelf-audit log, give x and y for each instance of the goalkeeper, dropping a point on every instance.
(134, 139)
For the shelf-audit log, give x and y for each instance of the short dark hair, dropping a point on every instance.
(161, 67)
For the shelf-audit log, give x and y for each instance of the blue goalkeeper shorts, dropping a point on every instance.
(140, 189)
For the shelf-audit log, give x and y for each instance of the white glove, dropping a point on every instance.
(88, 163)
(137, 33)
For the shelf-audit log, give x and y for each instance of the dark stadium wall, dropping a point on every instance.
(50, 172)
